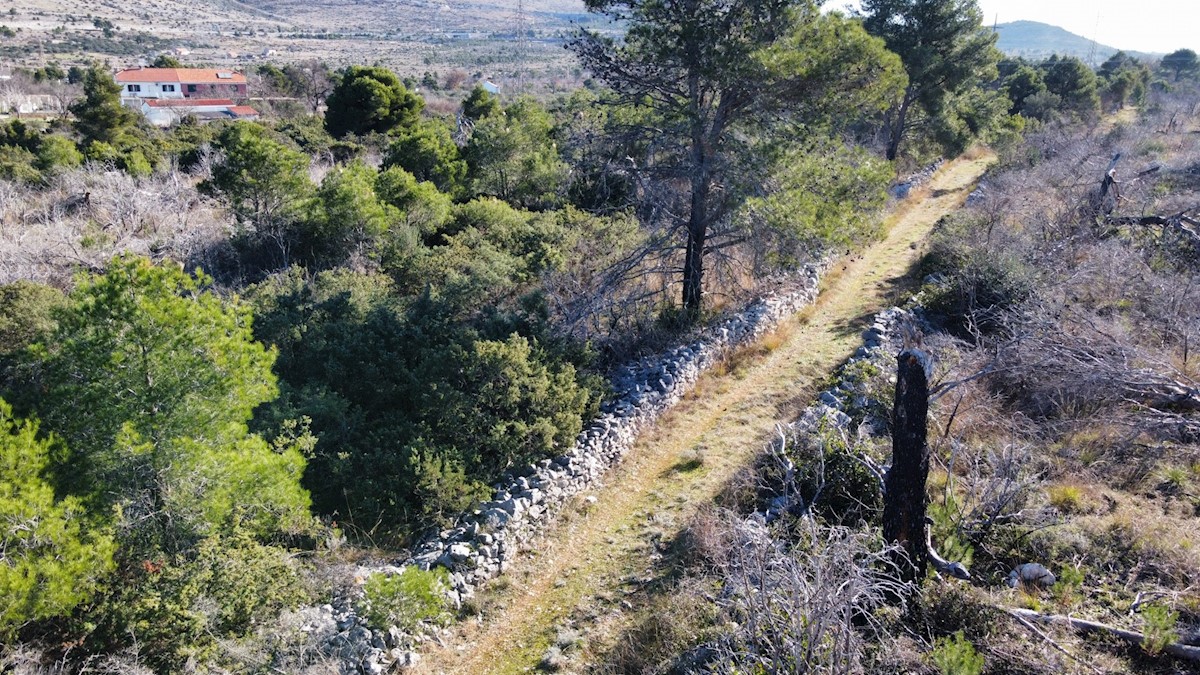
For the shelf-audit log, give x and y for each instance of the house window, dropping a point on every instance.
(191, 88)
(133, 88)
(168, 87)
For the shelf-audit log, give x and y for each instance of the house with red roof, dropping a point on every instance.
(175, 83)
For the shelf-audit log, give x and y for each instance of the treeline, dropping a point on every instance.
(408, 305)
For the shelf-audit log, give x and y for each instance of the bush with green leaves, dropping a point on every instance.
(169, 375)
(29, 155)
(406, 600)
(176, 608)
(26, 315)
(513, 156)
(53, 554)
(833, 482)
(265, 183)
(346, 217)
(955, 655)
(428, 152)
(973, 286)
(1160, 628)
(417, 402)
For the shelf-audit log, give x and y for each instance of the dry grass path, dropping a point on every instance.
(604, 550)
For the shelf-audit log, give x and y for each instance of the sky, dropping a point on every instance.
(1160, 26)
(1157, 26)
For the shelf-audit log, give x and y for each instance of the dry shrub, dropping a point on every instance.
(809, 608)
(84, 217)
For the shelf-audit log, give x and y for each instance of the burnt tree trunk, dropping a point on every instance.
(905, 499)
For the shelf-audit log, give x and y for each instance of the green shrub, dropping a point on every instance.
(26, 309)
(406, 600)
(954, 655)
(832, 480)
(176, 609)
(1160, 627)
(973, 284)
(51, 559)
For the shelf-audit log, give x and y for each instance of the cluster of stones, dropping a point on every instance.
(484, 543)
(902, 189)
(881, 343)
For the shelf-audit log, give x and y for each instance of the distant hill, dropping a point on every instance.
(1034, 40)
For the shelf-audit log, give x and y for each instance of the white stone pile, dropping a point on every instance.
(901, 189)
(485, 542)
(881, 343)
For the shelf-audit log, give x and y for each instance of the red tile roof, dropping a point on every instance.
(180, 75)
(243, 110)
(188, 102)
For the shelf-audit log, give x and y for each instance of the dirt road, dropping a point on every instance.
(606, 549)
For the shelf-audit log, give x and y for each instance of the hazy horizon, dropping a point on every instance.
(1160, 26)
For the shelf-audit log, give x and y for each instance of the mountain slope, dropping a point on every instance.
(1034, 40)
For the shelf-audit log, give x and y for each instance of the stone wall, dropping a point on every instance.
(485, 542)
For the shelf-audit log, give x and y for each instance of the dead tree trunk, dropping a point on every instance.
(905, 500)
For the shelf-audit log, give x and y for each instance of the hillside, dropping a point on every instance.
(410, 36)
(1034, 40)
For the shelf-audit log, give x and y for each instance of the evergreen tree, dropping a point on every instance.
(264, 182)
(99, 115)
(480, 104)
(1181, 63)
(169, 376)
(51, 556)
(1073, 83)
(370, 99)
(347, 215)
(1025, 82)
(166, 61)
(512, 156)
(715, 84)
(947, 54)
(429, 153)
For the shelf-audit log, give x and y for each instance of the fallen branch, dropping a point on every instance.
(1040, 633)
(1179, 651)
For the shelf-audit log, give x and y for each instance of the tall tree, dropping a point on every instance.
(1181, 62)
(1073, 83)
(370, 99)
(712, 79)
(99, 115)
(946, 53)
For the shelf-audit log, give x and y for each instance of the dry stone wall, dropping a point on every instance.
(485, 542)
(881, 342)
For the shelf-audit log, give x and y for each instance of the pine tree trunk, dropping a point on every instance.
(896, 128)
(905, 501)
(697, 232)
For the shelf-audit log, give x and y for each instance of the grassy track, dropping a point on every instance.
(605, 550)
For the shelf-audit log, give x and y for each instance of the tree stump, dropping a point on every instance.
(905, 499)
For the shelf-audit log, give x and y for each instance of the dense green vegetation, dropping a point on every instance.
(400, 306)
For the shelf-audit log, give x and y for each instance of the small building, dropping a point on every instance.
(138, 84)
(169, 112)
(490, 87)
